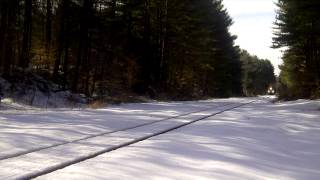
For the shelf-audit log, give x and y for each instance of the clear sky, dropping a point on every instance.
(253, 22)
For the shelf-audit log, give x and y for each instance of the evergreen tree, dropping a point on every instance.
(258, 74)
(297, 28)
(179, 48)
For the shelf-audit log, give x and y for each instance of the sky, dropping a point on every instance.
(253, 22)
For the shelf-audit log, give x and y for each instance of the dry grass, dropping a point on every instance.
(97, 104)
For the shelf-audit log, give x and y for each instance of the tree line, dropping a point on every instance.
(102, 47)
(257, 74)
(297, 30)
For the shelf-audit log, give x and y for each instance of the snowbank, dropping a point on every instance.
(32, 90)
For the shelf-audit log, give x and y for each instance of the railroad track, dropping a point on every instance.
(110, 141)
(104, 133)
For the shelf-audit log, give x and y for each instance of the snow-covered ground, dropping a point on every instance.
(260, 140)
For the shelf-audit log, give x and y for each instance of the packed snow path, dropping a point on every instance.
(230, 140)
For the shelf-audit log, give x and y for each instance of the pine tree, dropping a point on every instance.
(297, 28)
(258, 74)
(182, 49)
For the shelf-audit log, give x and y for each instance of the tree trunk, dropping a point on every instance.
(7, 36)
(48, 23)
(62, 40)
(66, 57)
(3, 31)
(163, 63)
(147, 67)
(26, 39)
(83, 41)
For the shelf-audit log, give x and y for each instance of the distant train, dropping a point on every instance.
(271, 91)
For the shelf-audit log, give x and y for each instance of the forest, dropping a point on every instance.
(257, 74)
(159, 48)
(297, 33)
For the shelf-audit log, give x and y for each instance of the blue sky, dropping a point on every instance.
(253, 22)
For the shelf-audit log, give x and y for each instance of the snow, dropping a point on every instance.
(31, 89)
(260, 140)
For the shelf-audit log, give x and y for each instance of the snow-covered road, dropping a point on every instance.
(260, 140)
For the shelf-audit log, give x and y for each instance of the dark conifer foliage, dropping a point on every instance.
(258, 74)
(297, 30)
(103, 47)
